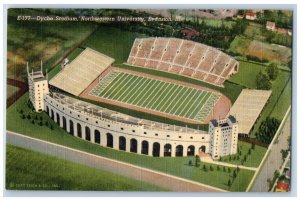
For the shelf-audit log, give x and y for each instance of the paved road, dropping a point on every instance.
(142, 174)
(274, 160)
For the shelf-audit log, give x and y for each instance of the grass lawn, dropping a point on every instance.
(113, 42)
(33, 41)
(279, 101)
(240, 45)
(10, 90)
(253, 160)
(29, 170)
(175, 166)
(247, 74)
(283, 102)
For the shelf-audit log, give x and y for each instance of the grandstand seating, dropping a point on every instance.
(83, 70)
(183, 57)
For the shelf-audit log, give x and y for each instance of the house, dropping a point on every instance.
(190, 33)
(282, 187)
(240, 16)
(270, 26)
(251, 15)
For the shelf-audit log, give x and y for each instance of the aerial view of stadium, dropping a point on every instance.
(200, 102)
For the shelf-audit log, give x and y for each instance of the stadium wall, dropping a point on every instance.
(127, 137)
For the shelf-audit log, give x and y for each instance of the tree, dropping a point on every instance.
(220, 158)
(23, 116)
(46, 123)
(229, 183)
(284, 153)
(36, 118)
(249, 151)
(229, 170)
(197, 160)
(224, 170)
(253, 145)
(32, 121)
(204, 168)
(51, 127)
(218, 168)
(211, 168)
(41, 123)
(237, 169)
(28, 116)
(234, 174)
(273, 71)
(190, 162)
(263, 81)
(267, 130)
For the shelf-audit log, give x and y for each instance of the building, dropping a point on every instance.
(251, 15)
(120, 131)
(38, 87)
(224, 137)
(270, 26)
(282, 187)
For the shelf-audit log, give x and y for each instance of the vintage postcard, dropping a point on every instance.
(157, 100)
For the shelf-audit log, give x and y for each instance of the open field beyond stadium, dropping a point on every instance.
(159, 96)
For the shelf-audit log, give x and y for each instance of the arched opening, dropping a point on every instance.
(52, 115)
(47, 110)
(97, 137)
(64, 123)
(122, 143)
(202, 149)
(109, 140)
(87, 133)
(79, 132)
(156, 149)
(145, 147)
(57, 119)
(133, 145)
(179, 150)
(191, 150)
(71, 127)
(167, 150)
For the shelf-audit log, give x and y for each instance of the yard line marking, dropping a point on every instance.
(190, 105)
(159, 85)
(166, 96)
(113, 84)
(140, 93)
(174, 98)
(179, 100)
(117, 89)
(201, 105)
(183, 101)
(147, 82)
(156, 92)
(195, 104)
(155, 85)
(106, 82)
(128, 88)
(171, 96)
(158, 98)
(99, 87)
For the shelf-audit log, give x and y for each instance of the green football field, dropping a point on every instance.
(156, 95)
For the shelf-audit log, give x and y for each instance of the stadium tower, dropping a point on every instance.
(38, 86)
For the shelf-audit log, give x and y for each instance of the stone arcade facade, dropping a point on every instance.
(122, 132)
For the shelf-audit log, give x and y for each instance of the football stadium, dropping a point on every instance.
(92, 77)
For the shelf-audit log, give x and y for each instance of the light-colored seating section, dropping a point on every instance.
(84, 69)
(183, 57)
